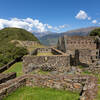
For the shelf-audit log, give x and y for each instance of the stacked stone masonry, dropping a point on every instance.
(87, 48)
(25, 43)
(33, 62)
(85, 84)
(54, 51)
(5, 77)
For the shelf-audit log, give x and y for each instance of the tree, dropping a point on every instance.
(95, 32)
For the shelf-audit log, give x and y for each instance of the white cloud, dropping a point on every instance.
(56, 28)
(29, 24)
(49, 26)
(94, 21)
(63, 26)
(89, 18)
(82, 15)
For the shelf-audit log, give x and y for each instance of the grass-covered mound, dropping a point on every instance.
(8, 50)
(30, 93)
(8, 34)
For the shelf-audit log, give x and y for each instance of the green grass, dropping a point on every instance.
(30, 93)
(17, 67)
(86, 72)
(98, 96)
(44, 54)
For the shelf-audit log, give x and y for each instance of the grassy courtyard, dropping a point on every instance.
(17, 67)
(45, 54)
(30, 93)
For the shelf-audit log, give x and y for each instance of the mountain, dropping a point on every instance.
(41, 34)
(51, 39)
(8, 50)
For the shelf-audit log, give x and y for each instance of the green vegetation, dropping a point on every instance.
(8, 34)
(8, 50)
(86, 72)
(17, 67)
(45, 54)
(95, 32)
(30, 93)
(98, 96)
(39, 71)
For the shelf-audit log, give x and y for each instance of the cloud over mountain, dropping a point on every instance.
(29, 24)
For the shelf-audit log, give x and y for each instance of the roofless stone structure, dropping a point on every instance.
(84, 48)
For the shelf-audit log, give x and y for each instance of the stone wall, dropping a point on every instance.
(7, 66)
(44, 50)
(30, 43)
(25, 43)
(83, 57)
(86, 85)
(11, 86)
(63, 82)
(32, 62)
(54, 51)
(77, 42)
(90, 89)
(6, 77)
(88, 51)
(93, 68)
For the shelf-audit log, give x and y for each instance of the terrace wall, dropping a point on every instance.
(11, 86)
(85, 84)
(6, 77)
(7, 66)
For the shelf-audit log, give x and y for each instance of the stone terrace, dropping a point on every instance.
(86, 85)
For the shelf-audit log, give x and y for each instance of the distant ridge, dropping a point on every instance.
(51, 39)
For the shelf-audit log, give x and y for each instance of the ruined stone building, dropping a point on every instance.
(82, 49)
(71, 51)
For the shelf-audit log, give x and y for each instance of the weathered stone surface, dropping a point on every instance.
(66, 82)
(86, 47)
(77, 85)
(6, 77)
(53, 62)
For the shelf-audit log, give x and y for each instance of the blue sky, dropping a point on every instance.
(49, 15)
